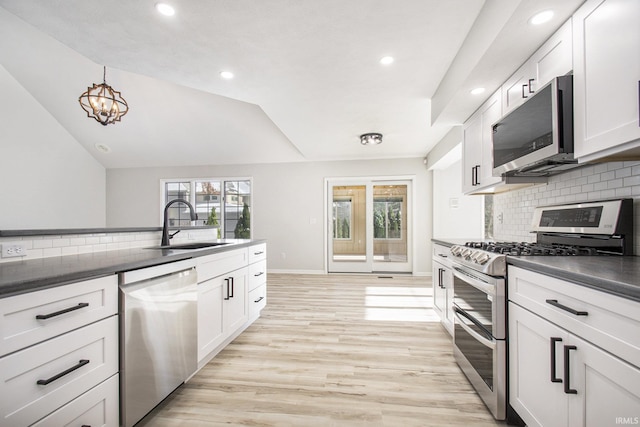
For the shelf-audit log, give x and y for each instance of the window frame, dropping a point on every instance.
(192, 198)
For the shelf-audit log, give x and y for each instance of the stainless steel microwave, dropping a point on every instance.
(536, 139)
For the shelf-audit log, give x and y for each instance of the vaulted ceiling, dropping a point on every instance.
(307, 77)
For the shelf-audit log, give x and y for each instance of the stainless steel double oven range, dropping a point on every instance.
(480, 277)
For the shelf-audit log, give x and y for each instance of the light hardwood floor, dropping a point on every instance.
(337, 350)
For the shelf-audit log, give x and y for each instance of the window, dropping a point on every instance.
(387, 218)
(342, 219)
(225, 203)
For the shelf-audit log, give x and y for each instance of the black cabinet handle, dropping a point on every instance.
(259, 274)
(567, 386)
(554, 378)
(227, 297)
(66, 310)
(523, 95)
(258, 253)
(231, 278)
(259, 299)
(441, 277)
(531, 81)
(555, 303)
(80, 364)
(474, 175)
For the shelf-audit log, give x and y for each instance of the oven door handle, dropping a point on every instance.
(487, 341)
(474, 281)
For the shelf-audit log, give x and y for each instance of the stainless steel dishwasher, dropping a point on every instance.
(158, 333)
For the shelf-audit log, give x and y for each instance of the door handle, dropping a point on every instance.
(80, 364)
(554, 378)
(567, 385)
(66, 310)
(555, 303)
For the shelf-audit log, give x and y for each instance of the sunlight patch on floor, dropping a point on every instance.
(390, 303)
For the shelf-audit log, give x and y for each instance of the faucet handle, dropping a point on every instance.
(171, 235)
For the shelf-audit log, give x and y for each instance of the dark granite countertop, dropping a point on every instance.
(67, 231)
(30, 275)
(617, 275)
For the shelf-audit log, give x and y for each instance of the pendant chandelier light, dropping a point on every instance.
(371, 138)
(103, 103)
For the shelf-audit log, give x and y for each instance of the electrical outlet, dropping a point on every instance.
(13, 250)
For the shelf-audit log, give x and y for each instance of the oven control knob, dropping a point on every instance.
(467, 253)
(482, 258)
(456, 250)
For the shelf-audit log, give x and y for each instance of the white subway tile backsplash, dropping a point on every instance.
(590, 183)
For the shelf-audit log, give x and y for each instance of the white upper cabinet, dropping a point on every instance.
(553, 59)
(606, 47)
(477, 158)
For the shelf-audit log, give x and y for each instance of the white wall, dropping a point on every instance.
(286, 199)
(48, 179)
(454, 214)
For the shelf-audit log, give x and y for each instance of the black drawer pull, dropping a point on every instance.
(80, 364)
(554, 378)
(66, 310)
(555, 303)
(259, 299)
(228, 289)
(567, 386)
(259, 274)
(258, 253)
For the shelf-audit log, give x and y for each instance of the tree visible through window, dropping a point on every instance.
(342, 219)
(387, 218)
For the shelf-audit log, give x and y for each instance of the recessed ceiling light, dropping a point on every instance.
(386, 60)
(477, 91)
(103, 148)
(165, 9)
(542, 17)
(226, 75)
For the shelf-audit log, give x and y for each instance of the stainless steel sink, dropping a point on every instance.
(194, 245)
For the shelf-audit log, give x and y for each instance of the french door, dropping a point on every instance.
(369, 225)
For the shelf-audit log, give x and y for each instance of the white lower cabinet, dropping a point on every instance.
(222, 309)
(40, 379)
(443, 294)
(558, 378)
(97, 407)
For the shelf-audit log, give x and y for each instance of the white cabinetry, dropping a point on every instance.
(257, 280)
(606, 43)
(59, 351)
(443, 286)
(222, 299)
(552, 59)
(573, 354)
(477, 147)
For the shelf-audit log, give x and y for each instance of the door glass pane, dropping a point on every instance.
(237, 218)
(178, 213)
(390, 223)
(208, 202)
(349, 223)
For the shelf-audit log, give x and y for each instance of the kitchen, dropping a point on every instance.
(112, 195)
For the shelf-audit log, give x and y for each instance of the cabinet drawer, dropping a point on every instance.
(29, 318)
(610, 322)
(24, 401)
(257, 252)
(97, 407)
(441, 253)
(217, 264)
(257, 300)
(257, 274)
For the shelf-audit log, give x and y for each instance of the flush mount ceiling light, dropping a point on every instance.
(386, 60)
(477, 91)
(102, 103)
(542, 17)
(226, 75)
(370, 138)
(165, 9)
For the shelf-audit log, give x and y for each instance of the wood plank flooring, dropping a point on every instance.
(336, 350)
